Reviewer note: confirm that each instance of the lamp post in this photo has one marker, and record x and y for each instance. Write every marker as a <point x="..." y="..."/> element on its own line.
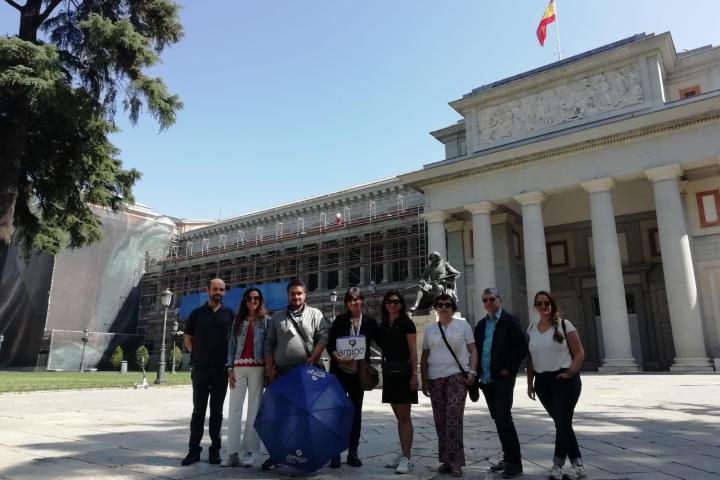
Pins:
<point x="372" y="288"/>
<point x="84" y="339"/>
<point x="333" y="299"/>
<point x="165" y="299"/>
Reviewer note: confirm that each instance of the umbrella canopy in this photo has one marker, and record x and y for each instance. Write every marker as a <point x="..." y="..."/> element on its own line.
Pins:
<point x="305" y="418"/>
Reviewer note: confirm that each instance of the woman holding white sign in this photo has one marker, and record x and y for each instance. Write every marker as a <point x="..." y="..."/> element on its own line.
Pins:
<point x="349" y="341"/>
<point x="448" y="365"/>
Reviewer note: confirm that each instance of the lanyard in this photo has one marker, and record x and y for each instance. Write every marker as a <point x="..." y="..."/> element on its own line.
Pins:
<point x="353" y="331"/>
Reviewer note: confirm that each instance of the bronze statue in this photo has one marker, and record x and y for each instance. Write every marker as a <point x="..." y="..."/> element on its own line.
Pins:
<point x="437" y="278"/>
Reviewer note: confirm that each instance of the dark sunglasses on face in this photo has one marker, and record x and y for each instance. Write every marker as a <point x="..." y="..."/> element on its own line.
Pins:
<point x="542" y="304"/>
<point x="443" y="305"/>
<point x="489" y="299"/>
<point x="253" y="299"/>
<point x="392" y="302"/>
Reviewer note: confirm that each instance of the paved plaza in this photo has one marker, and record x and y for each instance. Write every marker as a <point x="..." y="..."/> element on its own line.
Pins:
<point x="652" y="427"/>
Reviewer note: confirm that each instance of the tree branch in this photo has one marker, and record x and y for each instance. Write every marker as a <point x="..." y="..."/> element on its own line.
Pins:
<point x="48" y="10"/>
<point x="14" y="5"/>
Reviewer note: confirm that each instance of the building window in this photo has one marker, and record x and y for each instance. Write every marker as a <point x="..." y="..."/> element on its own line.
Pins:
<point x="654" y="239"/>
<point x="558" y="254"/>
<point x="708" y="203"/>
<point x="690" y="91"/>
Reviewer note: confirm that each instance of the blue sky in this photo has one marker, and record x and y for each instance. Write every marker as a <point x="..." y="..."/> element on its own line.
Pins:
<point x="287" y="99"/>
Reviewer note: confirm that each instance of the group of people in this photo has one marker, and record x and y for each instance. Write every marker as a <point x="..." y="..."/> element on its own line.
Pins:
<point x="251" y="348"/>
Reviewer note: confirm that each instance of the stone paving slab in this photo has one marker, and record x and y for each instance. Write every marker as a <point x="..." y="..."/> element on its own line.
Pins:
<point x="633" y="427"/>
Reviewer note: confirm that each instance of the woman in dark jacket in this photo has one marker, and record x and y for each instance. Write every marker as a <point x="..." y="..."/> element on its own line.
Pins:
<point x="351" y="323"/>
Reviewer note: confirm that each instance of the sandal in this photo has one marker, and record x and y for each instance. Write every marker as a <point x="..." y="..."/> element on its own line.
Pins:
<point x="456" y="472"/>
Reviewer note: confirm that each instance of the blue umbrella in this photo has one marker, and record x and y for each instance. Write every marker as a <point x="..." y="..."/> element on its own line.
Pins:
<point x="305" y="418"/>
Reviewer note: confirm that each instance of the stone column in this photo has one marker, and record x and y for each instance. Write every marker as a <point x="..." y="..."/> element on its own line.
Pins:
<point x="341" y="269"/>
<point x="537" y="276"/>
<point x="386" y="260"/>
<point x="456" y="257"/>
<point x="436" y="232"/>
<point x="682" y="295"/>
<point x="483" y="255"/>
<point x="364" y="265"/>
<point x="610" y="284"/>
<point x="411" y="241"/>
<point x="322" y="272"/>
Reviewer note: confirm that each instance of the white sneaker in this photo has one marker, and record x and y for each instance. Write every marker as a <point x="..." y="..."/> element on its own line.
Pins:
<point x="248" y="460"/>
<point x="556" y="473"/>
<point x="231" y="460"/>
<point x="405" y="465"/>
<point x="576" y="471"/>
<point x="394" y="462"/>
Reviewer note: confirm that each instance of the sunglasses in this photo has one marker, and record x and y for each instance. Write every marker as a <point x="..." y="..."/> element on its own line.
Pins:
<point x="542" y="304"/>
<point x="443" y="305"/>
<point x="489" y="299"/>
<point x="253" y="298"/>
<point x="392" y="302"/>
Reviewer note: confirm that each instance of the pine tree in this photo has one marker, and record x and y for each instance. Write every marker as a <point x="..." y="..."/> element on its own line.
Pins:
<point x="117" y="357"/>
<point x="142" y="357"/>
<point x="61" y="78"/>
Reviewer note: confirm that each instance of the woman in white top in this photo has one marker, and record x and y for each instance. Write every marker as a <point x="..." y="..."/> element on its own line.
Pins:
<point x="443" y="380"/>
<point x="554" y="360"/>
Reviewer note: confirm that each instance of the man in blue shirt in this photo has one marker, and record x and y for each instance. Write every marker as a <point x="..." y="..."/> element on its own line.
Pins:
<point x="502" y="346"/>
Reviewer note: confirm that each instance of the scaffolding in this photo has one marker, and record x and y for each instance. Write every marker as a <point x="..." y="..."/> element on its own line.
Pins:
<point x="384" y="242"/>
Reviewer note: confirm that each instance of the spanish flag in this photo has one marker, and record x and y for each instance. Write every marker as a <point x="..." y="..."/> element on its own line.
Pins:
<point x="547" y="18"/>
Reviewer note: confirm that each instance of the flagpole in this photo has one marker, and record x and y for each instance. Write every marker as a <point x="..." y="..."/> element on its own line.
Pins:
<point x="557" y="31"/>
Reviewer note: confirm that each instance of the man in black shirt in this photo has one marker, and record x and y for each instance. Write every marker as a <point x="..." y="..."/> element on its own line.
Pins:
<point x="206" y="337"/>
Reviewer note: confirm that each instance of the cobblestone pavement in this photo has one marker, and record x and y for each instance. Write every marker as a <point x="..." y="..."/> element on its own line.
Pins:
<point x="652" y="427"/>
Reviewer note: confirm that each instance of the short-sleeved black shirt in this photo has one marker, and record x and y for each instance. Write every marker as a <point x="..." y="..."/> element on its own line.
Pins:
<point x="209" y="331"/>
<point x="393" y="338"/>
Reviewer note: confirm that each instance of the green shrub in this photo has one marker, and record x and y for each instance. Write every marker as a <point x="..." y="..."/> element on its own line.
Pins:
<point x="178" y="357"/>
<point x="142" y="357"/>
<point x="117" y="357"/>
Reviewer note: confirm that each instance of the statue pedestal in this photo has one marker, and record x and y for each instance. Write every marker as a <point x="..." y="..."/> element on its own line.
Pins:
<point x="422" y="321"/>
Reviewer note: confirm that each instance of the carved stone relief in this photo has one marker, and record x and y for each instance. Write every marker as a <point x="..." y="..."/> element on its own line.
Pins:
<point x="579" y="99"/>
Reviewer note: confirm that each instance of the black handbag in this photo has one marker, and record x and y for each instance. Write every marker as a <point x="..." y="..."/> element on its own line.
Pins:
<point x="472" y="390"/>
<point x="368" y="375"/>
<point x="396" y="369"/>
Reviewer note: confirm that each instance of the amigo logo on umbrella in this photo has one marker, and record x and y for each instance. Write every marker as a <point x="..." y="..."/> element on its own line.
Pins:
<point x="297" y="458"/>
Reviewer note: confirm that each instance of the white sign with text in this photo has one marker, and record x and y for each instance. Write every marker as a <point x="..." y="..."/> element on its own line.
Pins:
<point x="351" y="347"/>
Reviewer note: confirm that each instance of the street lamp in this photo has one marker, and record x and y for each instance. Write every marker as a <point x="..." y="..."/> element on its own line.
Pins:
<point x="84" y="339"/>
<point x="165" y="299"/>
<point x="333" y="299"/>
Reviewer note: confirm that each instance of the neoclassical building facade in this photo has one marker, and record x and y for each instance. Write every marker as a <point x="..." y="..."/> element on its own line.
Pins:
<point x="597" y="178"/>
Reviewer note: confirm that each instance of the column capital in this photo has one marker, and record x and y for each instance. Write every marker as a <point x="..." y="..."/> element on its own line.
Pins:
<point x="454" y="226"/>
<point x="598" y="185"/>
<point x="435" y="216"/>
<point x="666" y="172"/>
<point x="480" y="208"/>
<point x="530" y="198"/>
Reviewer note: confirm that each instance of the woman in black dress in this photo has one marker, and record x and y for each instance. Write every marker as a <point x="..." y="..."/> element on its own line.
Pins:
<point x="351" y="323"/>
<point x="400" y="383"/>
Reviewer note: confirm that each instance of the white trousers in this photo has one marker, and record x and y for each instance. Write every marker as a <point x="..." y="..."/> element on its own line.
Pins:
<point x="249" y="381"/>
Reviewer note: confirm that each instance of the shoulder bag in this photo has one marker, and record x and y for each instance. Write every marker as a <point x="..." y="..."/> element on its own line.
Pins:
<point x="304" y="338"/>
<point x="474" y="389"/>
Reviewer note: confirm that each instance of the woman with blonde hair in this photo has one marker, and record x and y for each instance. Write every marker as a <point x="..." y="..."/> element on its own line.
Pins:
<point x="554" y="361"/>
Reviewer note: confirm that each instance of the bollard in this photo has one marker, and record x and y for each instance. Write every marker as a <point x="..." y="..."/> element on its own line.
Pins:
<point x="123" y="367"/>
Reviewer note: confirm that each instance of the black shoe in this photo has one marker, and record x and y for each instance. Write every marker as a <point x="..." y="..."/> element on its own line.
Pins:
<point x="335" y="462"/>
<point x="268" y="464"/>
<point x="214" y="457"/>
<point x="499" y="467"/>
<point x="353" y="460"/>
<point x="190" y="458"/>
<point x="512" y="471"/>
